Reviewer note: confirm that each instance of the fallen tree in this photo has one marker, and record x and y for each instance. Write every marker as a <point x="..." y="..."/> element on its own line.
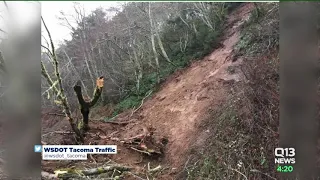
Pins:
<point x="72" y="173"/>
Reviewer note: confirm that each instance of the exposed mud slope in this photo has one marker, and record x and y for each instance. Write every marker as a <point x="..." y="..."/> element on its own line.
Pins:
<point x="183" y="101"/>
<point x="176" y="111"/>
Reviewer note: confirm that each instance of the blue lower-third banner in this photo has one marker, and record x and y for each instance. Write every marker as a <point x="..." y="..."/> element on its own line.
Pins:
<point x="72" y="152"/>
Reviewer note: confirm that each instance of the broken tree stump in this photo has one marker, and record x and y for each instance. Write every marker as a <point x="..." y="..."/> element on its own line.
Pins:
<point x="85" y="106"/>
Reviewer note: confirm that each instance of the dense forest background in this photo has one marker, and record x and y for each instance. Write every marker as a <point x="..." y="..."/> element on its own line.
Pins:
<point x="135" y="49"/>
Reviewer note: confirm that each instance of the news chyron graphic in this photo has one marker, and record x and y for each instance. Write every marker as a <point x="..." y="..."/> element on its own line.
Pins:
<point x="72" y="152"/>
<point x="284" y="158"/>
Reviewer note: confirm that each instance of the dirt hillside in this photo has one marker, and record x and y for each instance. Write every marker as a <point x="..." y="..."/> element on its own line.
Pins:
<point x="174" y="113"/>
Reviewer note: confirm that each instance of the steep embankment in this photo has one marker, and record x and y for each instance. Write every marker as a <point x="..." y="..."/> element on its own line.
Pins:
<point x="177" y="110"/>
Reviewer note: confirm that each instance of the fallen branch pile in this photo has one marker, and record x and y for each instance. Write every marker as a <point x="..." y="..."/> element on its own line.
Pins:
<point x="145" y="143"/>
<point x="68" y="174"/>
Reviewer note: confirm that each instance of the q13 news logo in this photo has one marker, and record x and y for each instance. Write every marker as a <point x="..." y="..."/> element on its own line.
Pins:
<point x="284" y="156"/>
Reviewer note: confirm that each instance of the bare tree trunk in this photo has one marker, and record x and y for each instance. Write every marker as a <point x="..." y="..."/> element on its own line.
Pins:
<point x="75" y="70"/>
<point x="60" y="92"/>
<point x="83" y="37"/>
<point x="138" y="67"/>
<point x="204" y="11"/>
<point x="2" y="64"/>
<point x="64" y="101"/>
<point x="153" y="45"/>
<point x="162" y="48"/>
<point x="80" y="15"/>
<point x="257" y="9"/>
<point x="183" y="45"/>
<point x="87" y="59"/>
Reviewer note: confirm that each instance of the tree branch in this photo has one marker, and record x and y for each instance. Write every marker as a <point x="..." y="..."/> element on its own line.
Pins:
<point x="89" y="172"/>
<point x="97" y="92"/>
<point x="60" y="91"/>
